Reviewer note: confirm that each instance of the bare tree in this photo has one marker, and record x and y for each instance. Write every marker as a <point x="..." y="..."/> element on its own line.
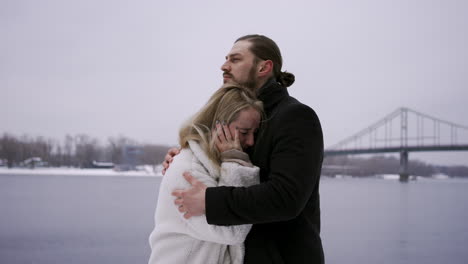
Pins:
<point x="116" y="147"/>
<point x="68" y="151"/>
<point x="86" y="150"/>
<point x="153" y="154"/>
<point x="78" y="151"/>
<point x="8" y="147"/>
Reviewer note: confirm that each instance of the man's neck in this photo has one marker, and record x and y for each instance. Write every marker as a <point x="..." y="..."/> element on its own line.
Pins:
<point x="261" y="85"/>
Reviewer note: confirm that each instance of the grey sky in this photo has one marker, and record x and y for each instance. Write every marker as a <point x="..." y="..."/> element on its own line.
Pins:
<point x="140" y="68"/>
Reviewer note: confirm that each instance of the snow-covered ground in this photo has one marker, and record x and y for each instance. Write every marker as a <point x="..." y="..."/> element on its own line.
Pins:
<point x="149" y="171"/>
<point x="392" y="177"/>
<point x="413" y="177"/>
<point x="142" y="171"/>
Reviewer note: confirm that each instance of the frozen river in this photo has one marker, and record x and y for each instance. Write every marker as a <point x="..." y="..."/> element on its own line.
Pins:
<point x="107" y="219"/>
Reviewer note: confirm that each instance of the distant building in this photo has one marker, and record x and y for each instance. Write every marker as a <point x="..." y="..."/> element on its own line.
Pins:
<point x="33" y="162"/>
<point x="102" y="165"/>
<point x="130" y="157"/>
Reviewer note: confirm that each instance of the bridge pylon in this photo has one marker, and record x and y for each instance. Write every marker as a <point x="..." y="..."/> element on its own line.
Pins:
<point x="404" y="174"/>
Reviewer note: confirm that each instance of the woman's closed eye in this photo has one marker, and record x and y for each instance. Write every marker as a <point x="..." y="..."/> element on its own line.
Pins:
<point x="244" y="132"/>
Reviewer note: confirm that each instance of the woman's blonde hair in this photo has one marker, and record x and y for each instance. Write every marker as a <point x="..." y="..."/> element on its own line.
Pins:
<point x="224" y="105"/>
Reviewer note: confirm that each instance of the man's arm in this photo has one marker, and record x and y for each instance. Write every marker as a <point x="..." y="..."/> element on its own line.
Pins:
<point x="295" y="165"/>
<point x="191" y="201"/>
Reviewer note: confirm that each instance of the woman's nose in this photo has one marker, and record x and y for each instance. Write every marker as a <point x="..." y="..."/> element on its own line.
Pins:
<point x="249" y="141"/>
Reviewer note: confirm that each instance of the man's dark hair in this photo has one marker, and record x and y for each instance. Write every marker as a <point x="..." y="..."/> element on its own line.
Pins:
<point x="266" y="49"/>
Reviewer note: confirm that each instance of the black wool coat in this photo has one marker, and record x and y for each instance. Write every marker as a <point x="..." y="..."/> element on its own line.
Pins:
<point x="285" y="206"/>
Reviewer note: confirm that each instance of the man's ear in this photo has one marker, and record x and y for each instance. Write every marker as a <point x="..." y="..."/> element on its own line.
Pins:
<point x="266" y="67"/>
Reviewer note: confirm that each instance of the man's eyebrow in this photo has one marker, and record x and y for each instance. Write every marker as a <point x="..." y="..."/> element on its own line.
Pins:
<point x="233" y="54"/>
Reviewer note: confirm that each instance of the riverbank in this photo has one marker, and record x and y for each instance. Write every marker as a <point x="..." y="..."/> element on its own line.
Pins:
<point x="144" y="171"/>
<point x="148" y="171"/>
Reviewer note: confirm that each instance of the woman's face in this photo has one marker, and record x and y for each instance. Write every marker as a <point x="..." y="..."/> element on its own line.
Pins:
<point x="247" y="124"/>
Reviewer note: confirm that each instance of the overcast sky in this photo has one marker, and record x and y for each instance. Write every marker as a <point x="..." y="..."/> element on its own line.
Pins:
<point x="140" y="68"/>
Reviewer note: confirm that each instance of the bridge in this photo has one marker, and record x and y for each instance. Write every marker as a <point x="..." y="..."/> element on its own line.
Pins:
<point x="404" y="131"/>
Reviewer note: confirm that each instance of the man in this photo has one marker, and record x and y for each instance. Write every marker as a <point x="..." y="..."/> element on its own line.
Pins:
<point x="285" y="206"/>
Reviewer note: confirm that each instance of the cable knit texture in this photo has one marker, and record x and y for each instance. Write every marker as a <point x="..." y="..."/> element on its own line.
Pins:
<point x="179" y="240"/>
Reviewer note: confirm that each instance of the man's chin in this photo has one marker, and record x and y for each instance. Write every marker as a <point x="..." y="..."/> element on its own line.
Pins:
<point x="231" y="81"/>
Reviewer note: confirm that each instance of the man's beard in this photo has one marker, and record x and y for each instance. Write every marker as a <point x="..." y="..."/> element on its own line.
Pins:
<point x="251" y="81"/>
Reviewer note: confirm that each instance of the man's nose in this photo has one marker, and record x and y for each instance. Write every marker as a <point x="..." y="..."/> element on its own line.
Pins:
<point x="225" y="67"/>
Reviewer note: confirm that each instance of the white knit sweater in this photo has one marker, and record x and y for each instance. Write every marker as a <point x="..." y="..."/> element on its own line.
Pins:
<point x="179" y="240"/>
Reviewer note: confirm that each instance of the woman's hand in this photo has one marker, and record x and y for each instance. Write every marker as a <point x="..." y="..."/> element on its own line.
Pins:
<point x="223" y="138"/>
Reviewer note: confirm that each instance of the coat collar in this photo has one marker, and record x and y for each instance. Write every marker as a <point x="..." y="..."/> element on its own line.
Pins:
<point x="200" y="154"/>
<point x="271" y="93"/>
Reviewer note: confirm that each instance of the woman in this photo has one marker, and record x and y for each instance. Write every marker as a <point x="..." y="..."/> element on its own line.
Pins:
<point x="214" y="157"/>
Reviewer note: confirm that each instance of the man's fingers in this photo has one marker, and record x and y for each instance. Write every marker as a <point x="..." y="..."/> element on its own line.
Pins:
<point x="173" y="151"/>
<point x="187" y="215"/>
<point x="178" y="193"/>
<point x="188" y="177"/>
<point x="167" y="160"/>
<point x="170" y="157"/>
<point x="181" y="209"/>
<point x="179" y="201"/>
<point x="165" y="165"/>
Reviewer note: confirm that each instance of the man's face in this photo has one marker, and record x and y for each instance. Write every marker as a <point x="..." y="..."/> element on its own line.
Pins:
<point x="239" y="66"/>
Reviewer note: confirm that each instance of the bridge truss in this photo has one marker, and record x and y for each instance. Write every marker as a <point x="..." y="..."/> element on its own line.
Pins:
<point x="403" y="131"/>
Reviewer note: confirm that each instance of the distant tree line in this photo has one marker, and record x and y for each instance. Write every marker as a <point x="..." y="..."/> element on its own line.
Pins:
<point x="356" y="166"/>
<point x="82" y="150"/>
<point x="75" y="151"/>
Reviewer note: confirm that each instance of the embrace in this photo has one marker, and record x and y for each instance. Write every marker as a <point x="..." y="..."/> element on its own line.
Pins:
<point x="244" y="187"/>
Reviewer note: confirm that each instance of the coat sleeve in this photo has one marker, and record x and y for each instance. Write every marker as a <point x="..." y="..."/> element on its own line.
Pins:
<point x="236" y="175"/>
<point x="197" y="226"/>
<point x="294" y="170"/>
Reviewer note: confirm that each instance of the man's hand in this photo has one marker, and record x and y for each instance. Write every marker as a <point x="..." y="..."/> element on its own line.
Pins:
<point x="191" y="201"/>
<point x="168" y="158"/>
